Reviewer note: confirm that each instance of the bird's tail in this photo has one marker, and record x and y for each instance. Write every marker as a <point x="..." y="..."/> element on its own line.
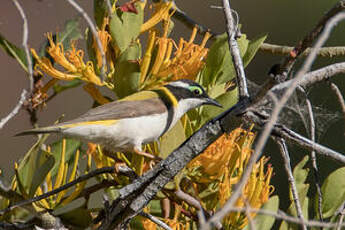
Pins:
<point x="49" y="129"/>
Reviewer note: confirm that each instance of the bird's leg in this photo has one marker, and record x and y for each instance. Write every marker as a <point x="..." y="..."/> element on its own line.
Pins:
<point x="145" y="154"/>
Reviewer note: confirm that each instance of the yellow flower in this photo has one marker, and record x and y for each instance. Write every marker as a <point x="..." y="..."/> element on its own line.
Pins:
<point x="222" y="164"/>
<point x="73" y="64"/>
<point x="186" y="62"/>
<point x="161" y="13"/>
<point x="105" y="39"/>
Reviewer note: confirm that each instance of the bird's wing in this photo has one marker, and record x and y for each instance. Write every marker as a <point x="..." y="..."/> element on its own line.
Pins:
<point x="139" y="104"/>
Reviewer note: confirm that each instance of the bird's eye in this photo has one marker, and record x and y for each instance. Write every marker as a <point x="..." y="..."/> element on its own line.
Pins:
<point x="196" y="90"/>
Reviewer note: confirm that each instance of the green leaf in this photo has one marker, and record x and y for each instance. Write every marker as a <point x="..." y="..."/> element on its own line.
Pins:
<point x="34" y="167"/>
<point x="219" y="68"/>
<point x="333" y="192"/>
<point x="253" y="47"/>
<point x="125" y="26"/>
<point x="172" y="139"/>
<point x="265" y="222"/>
<point x="56" y="149"/>
<point x="14" y="51"/>
<point x="127" y="71"/>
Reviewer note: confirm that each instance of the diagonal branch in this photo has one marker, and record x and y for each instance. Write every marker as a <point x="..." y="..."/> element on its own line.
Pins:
<point x="287" y="164"/>
<point x="82" y="178"/>
<point x="270" y="125"/>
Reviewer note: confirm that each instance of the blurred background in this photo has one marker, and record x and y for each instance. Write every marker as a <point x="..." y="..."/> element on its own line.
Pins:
<point x="285" y="22"/>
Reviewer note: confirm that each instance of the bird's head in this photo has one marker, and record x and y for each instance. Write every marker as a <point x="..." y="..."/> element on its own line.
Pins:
<point x="190" y="95"/>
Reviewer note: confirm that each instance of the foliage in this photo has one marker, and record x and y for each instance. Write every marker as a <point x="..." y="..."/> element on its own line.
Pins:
<point x="131" y="66"/>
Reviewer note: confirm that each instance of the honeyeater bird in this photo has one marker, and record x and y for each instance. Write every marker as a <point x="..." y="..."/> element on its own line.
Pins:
<point x="125" y="125"/>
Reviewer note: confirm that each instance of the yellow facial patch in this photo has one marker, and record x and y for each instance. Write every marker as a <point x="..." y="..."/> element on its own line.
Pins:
<point x="106" y="122"/>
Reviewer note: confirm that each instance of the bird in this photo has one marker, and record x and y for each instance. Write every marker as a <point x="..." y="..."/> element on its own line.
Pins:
<point x="126" y="124"/>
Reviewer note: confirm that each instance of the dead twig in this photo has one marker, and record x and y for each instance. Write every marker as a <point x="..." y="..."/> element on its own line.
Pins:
<point x="25" y="93"/>
<point x="340" y="97"/>
<point x="155" y="220"/>
<point x="326" y="52"/>
<point x="232" y="30"/>
<point x="82" y="178"/>
<point x="274" y="117"/>
<point x="285" y="155"/>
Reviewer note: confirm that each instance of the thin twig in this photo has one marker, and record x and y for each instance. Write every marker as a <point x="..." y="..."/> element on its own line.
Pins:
<point x="274" y="117"/>
<point x="326" y="52"/>
<point x="341" y="218"/>
<point x="340" y="97"/>
<point x="82" y="178"/>
<point x="309" y="39"/>
<point x="24" y="93"/>
<point x="313" y="158"/>
<point x="303" y="142"/>
<point x="15" y="110"/>
<point x="285" y="155"/>
<point x="155" y="220"/>
<point x="231" y="30"/>
<point x="279" y="73"/>
<point x="94" y="32"/>
<point x="25" y="45"/>
<point x="315" y="76"/>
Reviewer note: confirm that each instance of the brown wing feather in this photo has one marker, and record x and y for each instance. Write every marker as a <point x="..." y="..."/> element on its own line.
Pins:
<point x="120" y="110"/>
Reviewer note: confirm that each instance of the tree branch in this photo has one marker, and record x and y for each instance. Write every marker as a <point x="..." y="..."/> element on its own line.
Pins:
<point x="326" y="52"/>
<point x="82" y="178"/>
<point x="285" y="155"/>
<point x="24" y="93"/>
<point x="231" y="30"/>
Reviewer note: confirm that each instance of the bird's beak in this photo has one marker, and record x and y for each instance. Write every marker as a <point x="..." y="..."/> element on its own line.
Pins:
<point x="211" y="101"/>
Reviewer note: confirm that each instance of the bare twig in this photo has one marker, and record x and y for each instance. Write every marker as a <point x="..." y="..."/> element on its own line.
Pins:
<point x="279" y="73"/>
<point x="309" y="39"/>
<point x="15" y="110"/>
<point x="25" y="45"/>
<point x="327" y="52"/>
<point x="188" y="21"/>
<point x="274" y="117"/>
<point x="94" y="32"/>
<point x="303" y="142"/>
<point x="24" y="93"/>
<point x="315" y="76"/>
<point x="313" y="158"/>
<point x="231" y="30"/>
<point x="285" y="155"/>
<point x="82" y="178"/>
<point x="341" y="218"/>
<point x="155" y="220"/>
<point x="340" y="97"/>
